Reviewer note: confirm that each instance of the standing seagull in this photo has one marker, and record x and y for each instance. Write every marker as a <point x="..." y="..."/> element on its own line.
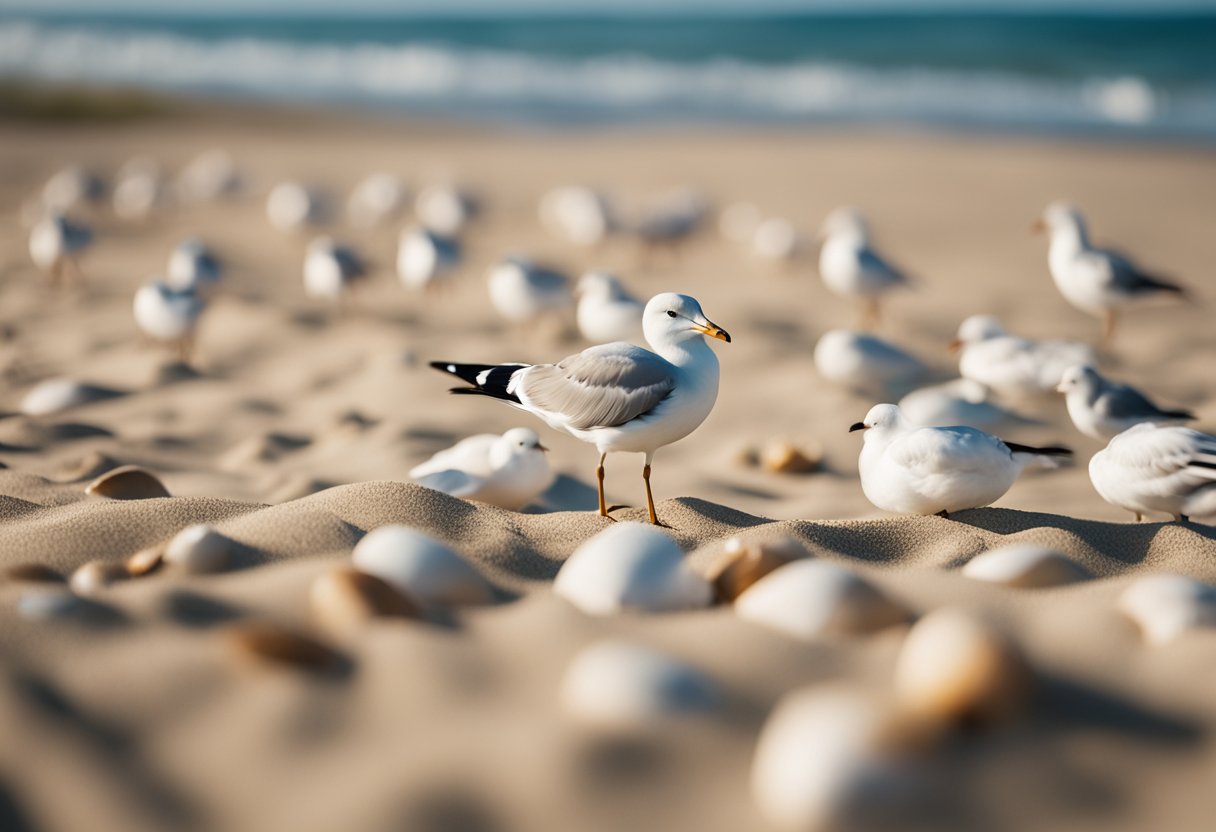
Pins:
<point x="55" y="244"/>
<point x="523" y="291"/>
<point x="1153" y="468"/>
<point x="1102" y="408"/>
<point x="331" y="269"/>
<point x="851" y="267"/>
<point x="424" y="258"/>
<point x="619" y="397"/>
<point x="168" y="315"/>
<point x="192" y="265"/>
<point x="1095" y="280"/>
<point x="915" y="470"/>
<point x="606" y="310"/>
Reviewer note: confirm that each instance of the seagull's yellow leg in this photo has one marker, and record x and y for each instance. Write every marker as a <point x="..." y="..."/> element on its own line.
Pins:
<point x="869" y="313"/>
<point x="649" y="497"/>
<point x="599" y="478"/>
<point x="1108" y="327"/>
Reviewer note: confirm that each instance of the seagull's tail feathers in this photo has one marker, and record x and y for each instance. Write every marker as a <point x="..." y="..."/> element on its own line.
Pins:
<point x="1048" y="458"/>
<point x="1180" y="415"/>
<point x="491" y="380"/>
<point x="1150" y="284"/>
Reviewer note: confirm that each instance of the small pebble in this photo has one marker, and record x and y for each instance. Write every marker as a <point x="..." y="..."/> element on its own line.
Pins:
<point x="199" y="548"/>
<point x="745" y="562"/>
<point x="96" y="575"/>
<point x="784" y="457"/>
<point x="129" y="482"/>
<point x="1025" y="566"/>
<point x="344" y="600"/>
<point x="1167" y="606"/>
<point x="270" y="644"/>
<point x="421" y="567"/>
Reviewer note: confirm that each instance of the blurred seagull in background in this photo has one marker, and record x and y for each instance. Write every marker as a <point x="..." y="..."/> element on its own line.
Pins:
<point x="376" y="200"/>
<point x="1011" y="365"/>
<point x="508" y="471"/>
<point x="1152" y="467"/>
<point x="866" y="364"/>
<point x="425" y="258"/>
<point x="852" y="268"/>
<point x="1101" y="408"/>
<point x="139" y="189"/>
<point x="959" y="402"/>
<point x="56" y="244"/>
<point x="523" y="291"/>
<point x="331" y="269"/>
<point x="192" y="265"/>
<point x="606" y="310"/>
<point x="73" y="188"/>
<point x="167" y="315"/>
<point x="293" y="206"/>
<point x="445" y="209"/>
<point x="209" y="176"/>
<point x="577" y="214"/>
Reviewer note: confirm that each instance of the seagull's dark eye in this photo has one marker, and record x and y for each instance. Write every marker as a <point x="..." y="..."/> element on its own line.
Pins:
<point x="670" y="314"/>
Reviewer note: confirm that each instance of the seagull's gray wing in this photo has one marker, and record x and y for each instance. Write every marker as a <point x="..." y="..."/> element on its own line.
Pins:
<point x="1119" y="402"/>
<point x="1123" y="275"/>
<point x="349" y="262"/>
<point x="451" y="481"/>
<point x="604" y="386"/>
<point x="872" y="262"/>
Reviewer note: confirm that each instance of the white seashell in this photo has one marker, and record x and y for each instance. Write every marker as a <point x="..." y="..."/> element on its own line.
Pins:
<point x="630" y="566"/>
<point x="1167" y="606"/>
<point x="199" y="548"/>
<point x="1025" y="565"/>
<point x="618" y="684"/>
<point x="421" y="567"/>
<point x="833" y="758"/>
<point x="954" y="668"/>
<point x="810" y="599"/>
<point x="54" y="395"/>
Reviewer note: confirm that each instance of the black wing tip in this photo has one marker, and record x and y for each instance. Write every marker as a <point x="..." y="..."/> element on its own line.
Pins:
<point x="1184" y="415"/>
<point x="1049" y="450"/>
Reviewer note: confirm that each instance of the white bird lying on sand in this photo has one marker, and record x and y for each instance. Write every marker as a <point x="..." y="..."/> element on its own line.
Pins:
<point x="56" y="242"/>
<point x="958" y="402"/>
<point x="192" y="265"/>
<point x="292" y="206"/>
<point x="578" y="214"/>
<point x="522" y="291"/>
<point x="425" y="258"/>
<point x="918" y="470"/>
<point x="606" y="310"/>
<point x="168" y="315"/>
<point x="446" y="209"/>
<point x="1151" y="467"/>
<point x="1102" y="408"/>
<point x="1095" y="280"/>
<point x="851" y="267"/>
<point x="866" y="364"/>
<point x="1011" y="365"/>
<point x="331" y="269"/>
<point x="507" y="471"/>
<point x="377" y="199"/>
<point x="618" y="397"/>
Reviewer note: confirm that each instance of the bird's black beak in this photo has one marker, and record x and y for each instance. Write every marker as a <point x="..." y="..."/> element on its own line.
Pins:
<point x="857" y="426"/>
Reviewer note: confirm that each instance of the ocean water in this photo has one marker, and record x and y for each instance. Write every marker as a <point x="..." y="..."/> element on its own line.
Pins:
<point x="1136" y="75"/>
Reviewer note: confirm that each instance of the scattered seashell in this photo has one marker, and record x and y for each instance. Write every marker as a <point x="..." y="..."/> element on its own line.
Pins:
<point x="1167" y="606"/>
<point x="1026" y="566"/>
<point x="96" y="575"/>
<point x="784" y="457"/>
<point x="272" y="644"/>
<point x="421" y="566"/>
<point x="58" y="394"/>
<point x="34" y="573"/>
<point x="954" y="668"/>
<point x="836" y="758"/>
<point x="630" y="566"/>
<point x="129" y="482"/>
<point x="199" y="548"/>
<point x="617" y="684"/>
<point x="745" y="562"/>
<point x="145" y="562"/>
<point x="344" y="600"/>
<point x="810" y="599"/>
<point x="45" y="604"/>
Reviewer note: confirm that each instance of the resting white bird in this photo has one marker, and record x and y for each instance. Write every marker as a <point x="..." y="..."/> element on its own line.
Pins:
<point x="331" y="269"/>
<point x="578" y="214"/>
<point x="523" y="291"/>
<point x="192" y="265"/>
<point x="445" y="209"/>
<point x="375" y="200"/>
<point x="507" y="471"/>
<point x="425" y="258"/>
<point x="959" y="402"/>
<point x="606" y="310"/>
<point x="1102" y="408"/>
<point x="1095" y="280"/>
<point x="866" y="364"/>
<point x="852" y="268"/>
<point x="618" y="397"/>
<point x="167" y="315"/>
<point x="1011" y="365"/>
<point x="293" y="206"/>
<point x="910" y="469"/>
<point x="1152" y="467"/>
<point x="56" y="244"/>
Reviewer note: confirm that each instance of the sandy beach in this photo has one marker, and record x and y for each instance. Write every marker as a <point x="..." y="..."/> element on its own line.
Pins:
<point x="294" y="428"/>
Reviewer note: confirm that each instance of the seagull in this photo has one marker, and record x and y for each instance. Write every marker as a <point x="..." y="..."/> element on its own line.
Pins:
<point x="866" y="364"/>
<point x="424" y="258"/>
<point x="331" y="269"/>
<point x="1152" y="467"/>
<point x="606" y="310"/>
<point x="776" y="239"/>
<point x="192" y="265"/>
<point x="507" y="471"/>
<point x="959" y="402"/>
<point x="910" y="469"/>
<point x="618" y="397"/>
<point x="375" y="200"/>
<point x="56" y="242"/>
<point x="673" y="217"/>
<point x="522" y="291"/>
<point x="211" y="175"/>
<point x="138" y="189"/>
<point x="578" y="214"/>
<point x="292" y="206"/>
<point x="1095" y="280"/>
<point x="851" y="267"/>
<point x="73" y="187"/>
<point x="445" y="208"/>
<point x="1011" y="365"/>
<point x="168" y="315"/>
<point x="1102" y="408"/>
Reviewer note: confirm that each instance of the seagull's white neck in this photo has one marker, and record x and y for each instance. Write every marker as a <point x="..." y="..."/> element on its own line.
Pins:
<point x="1069" y="236"/>
<point x="690" y="352"/>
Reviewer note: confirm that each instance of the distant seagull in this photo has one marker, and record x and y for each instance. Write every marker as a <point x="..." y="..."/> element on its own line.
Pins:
<point x="425" y="258"/>
<point x="72" y="188"/>
<point x="167" y="315"/>
<point x="910" y="469"/>
<point x="209" y="176"/>
<point x="580" y="215"/>
<point x="673" y="217"/>
<point x="1149" y="467"/>
<point x="508" y="471"/>
<point x="776" y="239"/>
<point x="192" y="265"/>
<point x="331" y="269"/>
<point x="959" y="402"/>
<point x="1095" y="280"/>
<point x="606" y="310"/>
<point x="852" y="268"/>
<point x="618" y="397"/>
<point x="376" y="200"/>
<point x="56" y="244"/>
<point x="445" y="209"/>
<point x="139" y="190"/>
<point x="523" y="291"/>
<point x="866" y="364"/>
<point x="1011" y="365"/>
<point x="292" y="207"/>
<point x="1102" y="408"/>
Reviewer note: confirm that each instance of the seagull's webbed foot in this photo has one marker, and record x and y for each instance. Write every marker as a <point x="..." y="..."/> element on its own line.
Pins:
<point x="943" y="513"/>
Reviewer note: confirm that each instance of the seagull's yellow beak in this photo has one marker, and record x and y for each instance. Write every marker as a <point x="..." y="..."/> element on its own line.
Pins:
<point x="712" y="330"/>
<point x="955" y="345"/>
<point x="1038" y="226"/>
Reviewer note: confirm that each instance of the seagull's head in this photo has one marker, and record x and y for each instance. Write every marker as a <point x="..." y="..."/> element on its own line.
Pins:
<point x="845" y="222"/>
<point x="321" y="245"/>
<point x="880" y="417"/>
<point x="1059" y="216"/>
<point x="598" y="285"/>
<point x="1079" y="377"/>
<point x="515" y="443"/>
<point x="975" y="329"/>
<point x="670" y="318"/>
